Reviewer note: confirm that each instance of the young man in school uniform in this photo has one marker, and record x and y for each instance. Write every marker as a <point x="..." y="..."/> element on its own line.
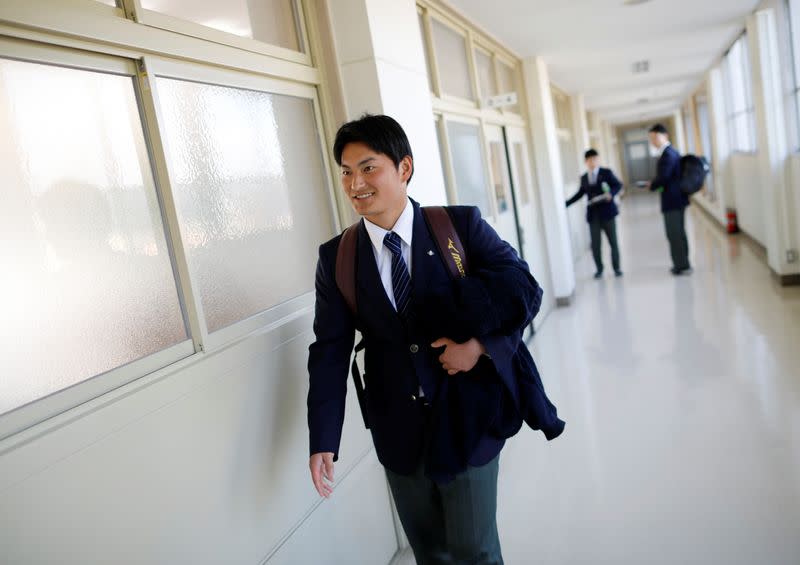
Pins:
<point x="600" y="186"/>
<point x="447" y="377"/>
<point x="673" y="200"/>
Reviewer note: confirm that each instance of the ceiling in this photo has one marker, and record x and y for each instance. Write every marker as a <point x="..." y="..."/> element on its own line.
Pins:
<point x="590" y="46"/>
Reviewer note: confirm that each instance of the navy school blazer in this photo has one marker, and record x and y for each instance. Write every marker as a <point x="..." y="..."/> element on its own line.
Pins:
<point x="469" y="412"/>
<point x="668" y="176"/>
<point x="602" y="211"/>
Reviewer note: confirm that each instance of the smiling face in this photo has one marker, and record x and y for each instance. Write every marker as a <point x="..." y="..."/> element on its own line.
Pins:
<point x="377" y="189"/>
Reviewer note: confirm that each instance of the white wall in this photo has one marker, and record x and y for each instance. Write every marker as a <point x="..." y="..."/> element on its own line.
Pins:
<point x="748" y="186"/>
<point x="793" y="179"/>
<point x="205" y="462"/>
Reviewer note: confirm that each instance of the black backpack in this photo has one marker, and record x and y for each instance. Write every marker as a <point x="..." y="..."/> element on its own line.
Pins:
<point x="693" y="173"/>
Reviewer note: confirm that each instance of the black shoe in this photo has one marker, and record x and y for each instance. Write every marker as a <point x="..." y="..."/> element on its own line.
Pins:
<point x="680" y="272"/>
<point x="617" y="273"/>
<point x="598" y="275"/>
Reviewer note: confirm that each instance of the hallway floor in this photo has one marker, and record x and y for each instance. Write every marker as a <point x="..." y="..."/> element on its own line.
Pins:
<point x="682" y="402"/>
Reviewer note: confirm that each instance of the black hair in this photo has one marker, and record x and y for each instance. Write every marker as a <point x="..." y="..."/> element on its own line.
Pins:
<point x="590" y="153"/>
<point x="380" y="133"/>
<point x="659" y="128"/>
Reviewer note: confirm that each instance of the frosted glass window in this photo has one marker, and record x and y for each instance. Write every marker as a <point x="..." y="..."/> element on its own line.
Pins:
<point x="247" y="172"/>
<point x="508" y="83"/>
<point x="739" y="97"/>
<point x="794" y="32"/>
<point x="502" y="185"/>
<point x="637" y="151"/>
<point x="87" y="284"/>
<point x="524" y="187"/>
<point x="425" y="46"/>
<point x="471" y="177"/>
<point x="270" y="21"/>
<point x="689" y="131"/>
<point x="483" y="62"/>
<point x="451" y="54"/>
<point x="569" y="166"/>
<point x="562" y="111"/>
<point x="705" y="139"/>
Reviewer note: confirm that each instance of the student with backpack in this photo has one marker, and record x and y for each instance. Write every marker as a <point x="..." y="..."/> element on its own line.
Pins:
<point x="441" y="303"/>
<point x="674" y="199"/>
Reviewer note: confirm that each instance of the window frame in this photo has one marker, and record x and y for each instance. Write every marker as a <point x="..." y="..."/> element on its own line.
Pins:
<point x="499" y="60"/>
<point x="478" y="47"/>
<point x="441" y="19"/>
<point x="192" y="72"/>
<point x="167" y="22"/>
<point x="84" y="34"/>
<point x="43" y="408"/>
<point x="488" y="189"/>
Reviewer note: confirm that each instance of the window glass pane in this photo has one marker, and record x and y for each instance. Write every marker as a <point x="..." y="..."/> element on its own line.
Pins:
<point x="451" y="53"/>
<point x="689" y="131"/>
<point x="742" y="128"/>
<point x="524" y="187"/>
<point x="797" y="109"/>
<point x="508" y="83"/>
<point x="425" y="50"/>
<point x="109" y="2"/>
<point x="87" y="284"/>
<point x="270" y="21"/>
<point x="468" y="165"/>
<point x="483" y="62"/>
<point x="569" y="168"/>
<point x="502" y="186"/>
<point x="705" y="130"/>
<point x="794" y="21"/>
<point x="751" y="130"/>
<point x="637" y="151"/>
<point x="741" y="125"/>
<point x="249" y="182"/>
<point x="561" y="107"/>
<point x="794" y="88"/>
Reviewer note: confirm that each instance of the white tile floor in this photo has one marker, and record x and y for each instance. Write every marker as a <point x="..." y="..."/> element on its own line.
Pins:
<point x="682" y="401"/>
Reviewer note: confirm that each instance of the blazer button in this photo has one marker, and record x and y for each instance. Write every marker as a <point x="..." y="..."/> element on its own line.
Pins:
<point x="414" y="348"/>
<point x="413" y="397"/>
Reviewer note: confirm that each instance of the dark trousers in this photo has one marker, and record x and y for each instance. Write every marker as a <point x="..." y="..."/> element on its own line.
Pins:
<point x="452" y="523"/>
<point x="596" y="229"/>
<point x="676" y="234"/>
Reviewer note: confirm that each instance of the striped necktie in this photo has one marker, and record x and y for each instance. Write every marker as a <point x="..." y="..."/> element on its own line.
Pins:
<point x="401" y="280"/>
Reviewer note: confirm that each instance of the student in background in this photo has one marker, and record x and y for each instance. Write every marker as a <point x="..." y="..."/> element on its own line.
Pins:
<point x="600" y="186"/>
<point x="673" y="199"/>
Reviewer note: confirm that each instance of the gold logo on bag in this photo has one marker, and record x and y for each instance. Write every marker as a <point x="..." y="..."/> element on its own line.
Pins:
<point x="456" y="256"/>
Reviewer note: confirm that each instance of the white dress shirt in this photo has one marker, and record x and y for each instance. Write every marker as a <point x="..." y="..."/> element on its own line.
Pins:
<point x="592" y="174"/>
<point x="404" y="227"/>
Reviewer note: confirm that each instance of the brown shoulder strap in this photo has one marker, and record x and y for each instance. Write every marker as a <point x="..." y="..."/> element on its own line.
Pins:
<point x="346" y="266"/>
<point x="444" y="232"/>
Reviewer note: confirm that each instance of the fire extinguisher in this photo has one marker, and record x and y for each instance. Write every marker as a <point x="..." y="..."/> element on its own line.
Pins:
<point x="733" y="225"/>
